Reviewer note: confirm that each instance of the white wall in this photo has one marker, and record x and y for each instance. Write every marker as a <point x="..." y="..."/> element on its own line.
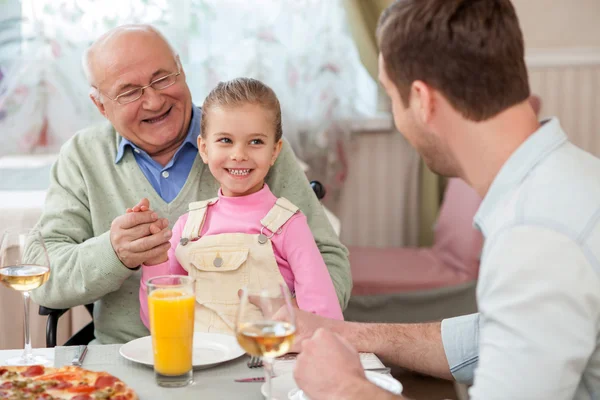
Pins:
<point x="559" y="23"/>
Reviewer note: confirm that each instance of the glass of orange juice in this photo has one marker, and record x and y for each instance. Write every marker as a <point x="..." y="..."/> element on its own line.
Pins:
<point x="171" y="310"/>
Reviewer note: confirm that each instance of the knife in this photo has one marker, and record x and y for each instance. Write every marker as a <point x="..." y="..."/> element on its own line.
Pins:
<point x="80" y="353"/>
<point x="262" y="378"/>
<point x="256" y="379"/>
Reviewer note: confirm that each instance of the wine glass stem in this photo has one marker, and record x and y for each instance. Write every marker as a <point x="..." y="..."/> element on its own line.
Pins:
<point x="268" y="366"/>
<point x="27" y="353"/>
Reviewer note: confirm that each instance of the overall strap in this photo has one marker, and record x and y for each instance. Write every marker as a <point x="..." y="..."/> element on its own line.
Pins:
<point x="281" y="212"/>
<point x="196" y="217"/>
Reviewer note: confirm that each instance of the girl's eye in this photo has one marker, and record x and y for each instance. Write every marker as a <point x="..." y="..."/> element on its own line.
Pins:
<point x="224" y="140"/>
<point x="256" y="141"/>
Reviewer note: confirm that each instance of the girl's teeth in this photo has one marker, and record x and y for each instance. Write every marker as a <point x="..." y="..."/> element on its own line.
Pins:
<point x="239" y="171"/>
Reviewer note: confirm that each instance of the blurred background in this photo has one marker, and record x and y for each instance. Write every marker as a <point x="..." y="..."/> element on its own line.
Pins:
<point x="320" y="57"/>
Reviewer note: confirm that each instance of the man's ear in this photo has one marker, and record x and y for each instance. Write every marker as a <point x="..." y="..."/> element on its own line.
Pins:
<point x="95" y="96"/>
<point x="180" y="66"/>
<point x="202" y="149"/>
<point x="276" y="151"/>
<point x="422" y="100"/>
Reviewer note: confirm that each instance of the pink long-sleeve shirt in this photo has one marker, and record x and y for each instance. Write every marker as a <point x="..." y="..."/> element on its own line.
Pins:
<point x="296" y="252"/>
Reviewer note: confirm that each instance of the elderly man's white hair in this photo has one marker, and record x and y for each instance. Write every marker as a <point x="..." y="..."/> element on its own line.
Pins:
<point x="88" y="54"/>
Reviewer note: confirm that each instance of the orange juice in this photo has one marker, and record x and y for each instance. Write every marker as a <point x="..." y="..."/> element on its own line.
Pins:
<point x="171" y="314"/>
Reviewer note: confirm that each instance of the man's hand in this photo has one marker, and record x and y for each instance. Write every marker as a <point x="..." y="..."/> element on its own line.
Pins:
<point x="306" y="323"/>
<point x="328" y="367"/>
<point x="141" y="206"/>
<point x="137" y="237"/>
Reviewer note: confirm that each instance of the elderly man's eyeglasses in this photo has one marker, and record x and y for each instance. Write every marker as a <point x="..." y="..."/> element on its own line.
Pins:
<point x="158" y="84"/>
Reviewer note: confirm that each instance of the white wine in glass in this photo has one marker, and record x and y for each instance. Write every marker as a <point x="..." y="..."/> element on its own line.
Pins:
<point x="24" y="277"/>
<point x="266" y="325"/>
<point x="267" y="338"/>
<point x="24" y="266"/>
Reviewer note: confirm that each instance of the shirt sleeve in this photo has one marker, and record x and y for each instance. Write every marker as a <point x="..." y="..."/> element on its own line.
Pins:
<point x="312" y="283"/>
<point x="286" y="179"/>
<point x="175" y="267"/>
<point x="539" y="303"/>
<point x="460" y="337"/>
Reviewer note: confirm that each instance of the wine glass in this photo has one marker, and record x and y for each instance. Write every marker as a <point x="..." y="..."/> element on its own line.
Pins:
<point x="24" y="266"/>
<point x="265" y="325"/>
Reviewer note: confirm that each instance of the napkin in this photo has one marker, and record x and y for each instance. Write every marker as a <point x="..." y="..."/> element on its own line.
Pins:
<point x="285" y="364"/>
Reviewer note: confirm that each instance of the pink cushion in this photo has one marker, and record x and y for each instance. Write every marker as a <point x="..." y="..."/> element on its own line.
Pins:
<point x="453" y="259"/>
<point x="457" y="242"/>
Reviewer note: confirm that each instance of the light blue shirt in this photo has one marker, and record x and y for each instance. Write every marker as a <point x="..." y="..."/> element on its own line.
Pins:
<point x="538" y="332"/>
<point x="168" y="180"/>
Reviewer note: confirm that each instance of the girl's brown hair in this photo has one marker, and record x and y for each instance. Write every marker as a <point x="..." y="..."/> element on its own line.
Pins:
<point x="240" y="91"/>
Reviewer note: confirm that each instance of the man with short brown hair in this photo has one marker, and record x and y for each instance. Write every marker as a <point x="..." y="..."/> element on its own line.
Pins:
<point x="455" y="73"/>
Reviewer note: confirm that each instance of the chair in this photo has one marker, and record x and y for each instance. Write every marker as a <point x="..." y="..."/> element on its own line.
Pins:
<point x="83" y="336"/>
<point x="86" y="334"/>
<point x="422" y="284"/>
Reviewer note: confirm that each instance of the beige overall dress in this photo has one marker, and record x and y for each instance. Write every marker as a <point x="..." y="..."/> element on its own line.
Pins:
<point x="222" y="264"/>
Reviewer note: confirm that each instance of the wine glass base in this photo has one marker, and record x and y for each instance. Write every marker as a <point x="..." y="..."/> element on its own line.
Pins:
<point x="25" y="361"/>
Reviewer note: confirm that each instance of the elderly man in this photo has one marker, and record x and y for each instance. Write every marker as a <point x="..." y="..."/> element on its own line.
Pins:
<point x="147" y="150"/>
<point x="457" y="80"/>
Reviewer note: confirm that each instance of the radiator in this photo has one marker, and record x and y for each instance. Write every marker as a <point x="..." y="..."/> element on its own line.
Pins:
<point x="568" y="83"/>
<point x="379" y="202"/>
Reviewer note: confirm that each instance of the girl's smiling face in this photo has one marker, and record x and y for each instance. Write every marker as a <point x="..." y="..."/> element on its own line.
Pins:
<point x="239" y="146"/>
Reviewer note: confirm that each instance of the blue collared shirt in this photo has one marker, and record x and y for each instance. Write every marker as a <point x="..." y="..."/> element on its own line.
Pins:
<point x="538" y="292"/>
<point x="168" y="180"/>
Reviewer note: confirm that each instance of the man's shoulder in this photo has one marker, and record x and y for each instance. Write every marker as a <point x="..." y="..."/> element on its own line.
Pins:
<point x="101" y="134"/>
<point x="563" y="192"/>
<point x="95" y="139"/>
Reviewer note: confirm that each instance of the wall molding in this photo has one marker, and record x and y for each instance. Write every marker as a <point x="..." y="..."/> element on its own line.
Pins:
<point x="562" y="57"/>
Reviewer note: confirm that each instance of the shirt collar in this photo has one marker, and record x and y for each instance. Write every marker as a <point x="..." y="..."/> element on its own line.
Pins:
<point x="191" y="138"/>
<point x="536" y="148"/>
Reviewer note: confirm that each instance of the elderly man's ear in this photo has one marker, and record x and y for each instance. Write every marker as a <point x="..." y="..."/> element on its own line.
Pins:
<point x="95" y="96"/>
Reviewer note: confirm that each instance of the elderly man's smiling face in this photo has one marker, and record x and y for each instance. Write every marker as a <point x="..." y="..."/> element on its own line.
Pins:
<point x="130" y="57"/>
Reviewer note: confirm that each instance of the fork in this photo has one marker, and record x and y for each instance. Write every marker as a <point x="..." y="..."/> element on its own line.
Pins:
<point x="79" y="355"/>
<point x="254" y="362"/>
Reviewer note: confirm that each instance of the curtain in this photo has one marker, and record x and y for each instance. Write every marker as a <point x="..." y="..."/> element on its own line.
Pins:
<point x="301" y="48"/>
<point x="363" y="16"/>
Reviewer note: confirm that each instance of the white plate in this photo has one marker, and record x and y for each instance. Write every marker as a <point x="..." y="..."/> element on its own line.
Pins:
<point x="209" y="349"/>
<point x="284" y="386"/>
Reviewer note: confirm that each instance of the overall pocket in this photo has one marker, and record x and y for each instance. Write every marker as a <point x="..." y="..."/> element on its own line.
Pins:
<point x="219" y="273"/>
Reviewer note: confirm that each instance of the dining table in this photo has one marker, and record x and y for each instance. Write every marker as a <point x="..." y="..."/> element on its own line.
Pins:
<point x="216" y="382"/>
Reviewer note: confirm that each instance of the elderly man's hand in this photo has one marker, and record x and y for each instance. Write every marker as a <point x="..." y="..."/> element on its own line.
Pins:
<point x="328" y="367"/>
<point x="156" y="227"/>
<point x="135" y="240"/>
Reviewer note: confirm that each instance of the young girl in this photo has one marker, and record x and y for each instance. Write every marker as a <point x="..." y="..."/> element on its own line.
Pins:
<point x="246" y="236"/>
